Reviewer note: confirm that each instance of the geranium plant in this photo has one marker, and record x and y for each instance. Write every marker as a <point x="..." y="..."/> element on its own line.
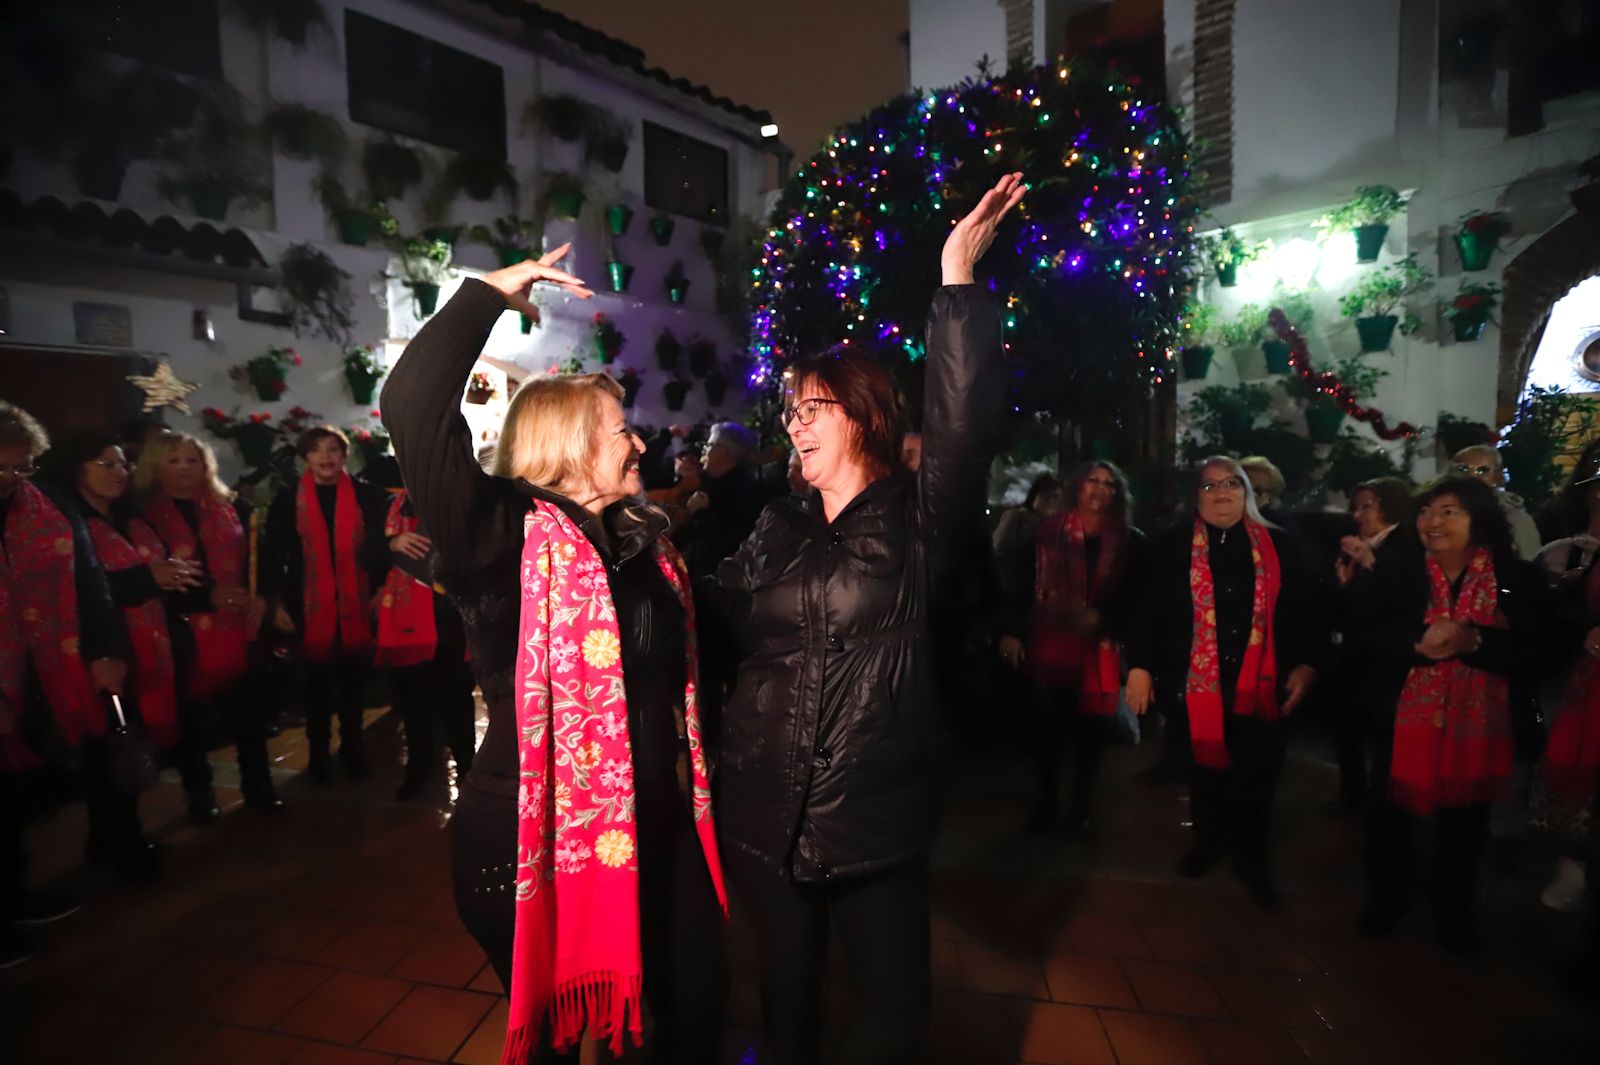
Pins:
<point x="1473" y="303"/>
<point x="1485" y="225"/>
<point x="267" y="373"/>
<point x="362" y="371"/>
<point x="1383" y="292"/>
<point x="608" y="339"/>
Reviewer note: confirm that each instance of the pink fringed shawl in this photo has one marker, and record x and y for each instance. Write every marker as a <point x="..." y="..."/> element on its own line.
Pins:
<point x="575" y="951"/>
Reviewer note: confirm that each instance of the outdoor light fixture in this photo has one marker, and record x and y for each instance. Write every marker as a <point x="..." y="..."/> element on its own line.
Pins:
<point x="769" y="130"/>
<point x="203" y="328"/>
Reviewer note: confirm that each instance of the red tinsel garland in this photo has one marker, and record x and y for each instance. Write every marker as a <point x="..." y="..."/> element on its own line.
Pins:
<point x="1330" y="385"/>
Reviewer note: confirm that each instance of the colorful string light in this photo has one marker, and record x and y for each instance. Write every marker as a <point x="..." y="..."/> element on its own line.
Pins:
<point x="1329" y="385"/>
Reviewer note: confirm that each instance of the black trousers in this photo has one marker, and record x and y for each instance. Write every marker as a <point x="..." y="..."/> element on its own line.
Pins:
<point x="1059" y="724"/>
<point x="434" y="699"/>
<point x="883" y="923"/>
<point x="680" y="922"/>
<point x="13" y="857"/>
<point x="335" y="687"/>
<point x="237" y="716"/>
<point x="1176" y="754"/>
<point x="1461" y="839"/>
<point x="1232" y="807"/>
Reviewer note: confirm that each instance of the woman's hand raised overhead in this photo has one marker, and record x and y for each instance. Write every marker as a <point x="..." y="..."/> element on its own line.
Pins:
<point x="514" y="282"/>
<point x="972" y="235"/>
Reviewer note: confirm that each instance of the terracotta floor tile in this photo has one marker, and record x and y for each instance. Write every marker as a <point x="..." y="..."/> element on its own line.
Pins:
<point x="443" y="957"/>
<point x="1163" y="987"/>
<point x="439" y="909"/>
<point x="484" y="1045"/>
<point x="1349" y="1004"/>
<point x="183" y="983"/>
<point x="1238" y="1044"/>
<point x="1267" y="949"/>
<point x="228" y="923"/>
<point x="1348" y="956"/>
<point x="1053" y="1034"/>
<point x="1088" y="980"/>
<point x="328" y="1054"/>
<point x="1144" y="1039"/>
<point x="986" y="1026"/>
<point x="487" y="981"/>
<point x="1093" y="933"/>
<point x="264" y="992"/>
<point x="93" y="966"/>
<point x="301" y="933"/>
<point x="431" y="1022"/>
<point x="1270" y="999"/>
<point x="1121" y="898"/>
<point x="998" y="972"/>
<point x="244" y="1046"/>
<point x="1187" y="942"/>
<point x="372" y="946"/>
<point x="344" y="1009"/>
<point x="1337" y="1048"/>
<point x="153" y="1038"/>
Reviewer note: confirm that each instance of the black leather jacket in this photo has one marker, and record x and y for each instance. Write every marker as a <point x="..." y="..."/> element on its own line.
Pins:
<point x="830" y="750"/>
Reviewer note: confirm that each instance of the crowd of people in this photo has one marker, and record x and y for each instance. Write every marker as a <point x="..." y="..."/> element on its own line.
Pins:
<point x="729" y="690"/>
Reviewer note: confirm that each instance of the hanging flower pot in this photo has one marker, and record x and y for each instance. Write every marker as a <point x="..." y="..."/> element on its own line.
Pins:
<point x="527" y="323"/>
<point x="362" y="385"/>
<point x="1248" y="359"/>
<point x="630" y="387"/>
<point x="619" y="216"/>
<point x="621" y="274"/>
<point x="510" y="256"/>
<point x="445" y="234"/>
<point x="702" y="358"/>
<point x="1466" y="330"/>
<point x="716" y="386"/>
<point x="100" y="176"/>
<point x="354" y="225"/>
<point x="1197" y="362"/>
<point x="668" y="349"/>
<point x="1377" y="332"/>
<point x="210" y="199"/>
<point x="677" y="289"/>
<point x="255" y="440"/>
<point x="1228" y="276"/>
<point x="711" y="238"/>
<point x="1277" y="353"/>
<point x="480" y="389"/>
<point x="661" y="227"/>
<point x="269" y="382"/>
<point x="425" y="295"/>
<point x="567" y="204"/>
<point x="608" y="339"/>
<point x="1476" y="250"/>
<point x="1322" y="422"/>
<point x="675" y="392"/>
<point x="1369" y="241"/>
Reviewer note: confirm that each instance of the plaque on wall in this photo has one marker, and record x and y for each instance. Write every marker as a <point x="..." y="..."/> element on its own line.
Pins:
<point x="103" y="325"/>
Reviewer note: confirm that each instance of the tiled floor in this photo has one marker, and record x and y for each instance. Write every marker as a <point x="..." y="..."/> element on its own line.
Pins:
<point x="328" y="937"/>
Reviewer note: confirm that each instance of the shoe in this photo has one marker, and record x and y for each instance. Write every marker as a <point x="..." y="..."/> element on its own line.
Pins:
<point x="265" y="804"/>
<point x="44" y="907"/>
<point x="1197" y="862"/>
<point x="16" y="947"/>
<point x="411" y="786"/>
<point x="1258" y="881"/>
<point x="203" y="808"/>
<point x="1565" y="893"/>
<point x="354" y="763"/>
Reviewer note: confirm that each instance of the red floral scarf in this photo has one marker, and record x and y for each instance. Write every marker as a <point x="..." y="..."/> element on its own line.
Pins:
<point x="1257" y="691"/>
<point x="1452" y="726"/>
<point x="1063" y="585"/>
<point x="336" y="586"/>
<point x="1572" y="755"/>
<point x="152" y="678"/>
<point x="221" y="637"/>
<point x="39" y="619"/>
<point x="406" y="631"/>
<point x="576" y="957"/>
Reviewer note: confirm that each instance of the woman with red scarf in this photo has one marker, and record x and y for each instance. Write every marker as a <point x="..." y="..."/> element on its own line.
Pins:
<point x="326" y="556"/>
<point x="1080" y="567"/>
<point x="1449" y="624"/>
<point x="421" y="640"/>
<point x="212" y="624"/>
<point x="1227" y="632"/>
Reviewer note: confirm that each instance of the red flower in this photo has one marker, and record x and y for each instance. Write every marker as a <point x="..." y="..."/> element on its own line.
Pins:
<point x="376" y="413"/>
<point x="297" y="360"/>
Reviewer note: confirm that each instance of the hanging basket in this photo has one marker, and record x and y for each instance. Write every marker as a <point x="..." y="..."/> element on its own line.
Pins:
<point x="661" y="229"/>
<point x="510" y="256"/>
<point x="1476" y="250"/>
<point x="1248" y="359"/>
<point x="675" y="392"/>
<point x="1196" y="362"/>
<point x="1369" y="241"/>
<point x="630" y="390"/>
<point x="567" y="205"/>
<point x="1377" y="332"/>
<point x="619" y="216"/>
<point x="677" y="289"/>
<point x="425" y="296"/>
<point x="1322" y="422"/>
<point x="527" y="323"/>
<point x="270" y="385"/>
<point x="1467" y="330"/>
<point x="1228" y="276"/>
<point x="479" y="396"/>
<point x="716" y="386"/>
<point x="621" y="274"/>
<point x="362" y="386"/>
<point x="255" y="444"/>
<point x="354" y="226"/>
<point x="1277" y="353"/>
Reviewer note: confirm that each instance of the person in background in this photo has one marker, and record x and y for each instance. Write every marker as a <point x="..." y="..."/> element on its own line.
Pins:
<point x="420" y="639"/>
<point x="911" y="451"/>
<point x="133" y="435"/>
<point x="1067" y="634"/>
<point x="1226" y="628"/>
<point x="1567" y="513"/>
<point x="1380" y="507"/>
<point x="1269" y="485"/>
<point x="214" y="624"/>
<point x="1015" y="540"/>
<point x="326" y="554"/>
<point x="1447" y="625"/>
<point x="724" y="510"/>
<point x="1482" y="463"/>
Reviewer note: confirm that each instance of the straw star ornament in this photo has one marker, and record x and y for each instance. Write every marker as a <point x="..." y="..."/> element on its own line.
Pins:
<point x="163" y="388"/>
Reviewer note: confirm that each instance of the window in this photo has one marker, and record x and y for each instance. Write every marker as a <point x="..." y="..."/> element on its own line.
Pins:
<point x="405" y="83"/>
<point x="685" y="176"/>
<point x="177" y="35"/>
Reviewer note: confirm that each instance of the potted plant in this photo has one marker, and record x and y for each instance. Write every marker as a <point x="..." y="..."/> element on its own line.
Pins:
<point x="1472" y="310"/>
<point x="479" y="176"/>
<point x="668" y="349"/>
<point x="608" y="339"/>
<point x="606" y="139"/>
<point x="711" y="240"/>
<point x="562" y="195"/>
<point x="392" y="169"/>
<point x="1477" y="237"/>
<point x="1223" y="416"/>
<point x="302" y="132"/>
<point x="1324" y="413"/>
<point x="1227" y="252"/>
<point x="512" y="238"/>
<point x="1455" y="432"/>
<point x="1198" y="321"/>
<point x="716" y="386"/>
<point x="1242" y="333"/>
<point x="1373" y="302"/>
<point x="661" y="227"/>
<point x="1296" y="306"/>
<point x="425" y="265"/>
<point x="677" y="283"/>
<point x="480" y="388"/>
<point x="1367" y="216"/>
<point x="702" y="356"/>
<point x="618" y="217"/>
<point x="267" y="373"/>
<point x="675" y="392"/>
<point x="358" y="220"/>
<point x="620" y="273"/>
<point x="362" y="372"/>
<point x="316" y="293"/>
<point x="218" y="158"/>
<point x="560" y="115"/>
<point x="630" y="382"/>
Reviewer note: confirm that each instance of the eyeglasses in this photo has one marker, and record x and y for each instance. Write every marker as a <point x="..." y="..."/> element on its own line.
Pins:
<point x="1474" y="471"/>
<point x="805" y="412"/>
<point x="21" y="473"/>
<point x="1229" y="484"/>
<point x="1101" y="482"/>
<point x="111" y="465"/>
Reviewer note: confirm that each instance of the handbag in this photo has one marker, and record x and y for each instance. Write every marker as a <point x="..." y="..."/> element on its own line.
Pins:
<point x="129" y="764"/>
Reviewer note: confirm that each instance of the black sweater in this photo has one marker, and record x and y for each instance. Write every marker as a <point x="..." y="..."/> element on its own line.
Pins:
<point x="283" y="562"/>
<point x="476" y="524"/>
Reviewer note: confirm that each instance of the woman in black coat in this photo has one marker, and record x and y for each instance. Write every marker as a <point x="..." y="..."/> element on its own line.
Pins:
<point x="827" y="787"/>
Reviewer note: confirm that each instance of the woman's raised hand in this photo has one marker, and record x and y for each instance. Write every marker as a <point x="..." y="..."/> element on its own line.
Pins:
<point x="513" y="282"/>
<point x="972" y="235"/>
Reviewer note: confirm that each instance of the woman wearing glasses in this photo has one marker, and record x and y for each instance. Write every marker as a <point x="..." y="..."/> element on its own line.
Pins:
<point x="827" y="784"/>
<point x="585" y="861"/>
<point x="1225" y="646"/>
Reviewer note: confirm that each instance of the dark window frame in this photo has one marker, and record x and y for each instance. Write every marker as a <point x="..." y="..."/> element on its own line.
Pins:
<point x="671" y="184"/>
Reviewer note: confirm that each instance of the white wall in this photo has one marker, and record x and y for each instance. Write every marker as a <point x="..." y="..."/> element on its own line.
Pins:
<point x="948" y="37"/>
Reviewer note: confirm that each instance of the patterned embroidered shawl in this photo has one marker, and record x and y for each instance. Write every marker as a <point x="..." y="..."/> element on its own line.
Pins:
<point x="152" y="679"/>
<point x="1057" y="655"/>
<point x="221" y="637"/>
<point x="336" y="591"/>
<point x="407" y="633"/>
